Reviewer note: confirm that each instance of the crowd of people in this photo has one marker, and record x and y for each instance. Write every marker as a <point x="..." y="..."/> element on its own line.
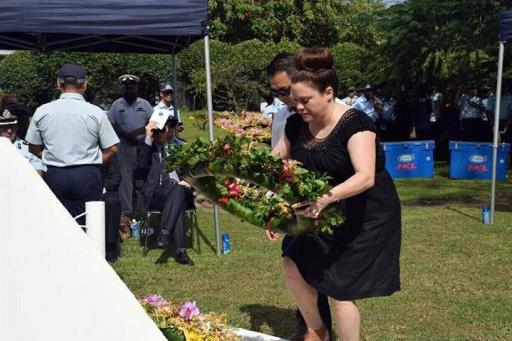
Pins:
<point x="85" y="154"/>
<point x="429" y="112"/>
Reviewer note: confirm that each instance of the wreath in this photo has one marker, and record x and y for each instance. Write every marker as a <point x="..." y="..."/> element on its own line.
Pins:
<point x="245" y="179"/>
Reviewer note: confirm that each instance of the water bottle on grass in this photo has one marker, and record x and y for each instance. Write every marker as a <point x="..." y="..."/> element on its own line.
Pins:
<point x="226" y="243"/>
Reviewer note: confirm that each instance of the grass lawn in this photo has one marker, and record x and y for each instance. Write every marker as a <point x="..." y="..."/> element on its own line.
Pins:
<point x="456" y="272"/>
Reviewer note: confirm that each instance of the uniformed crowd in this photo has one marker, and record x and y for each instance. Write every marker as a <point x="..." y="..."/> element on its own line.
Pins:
<point x="86" y="154"/>
<point x="429" y="112"/>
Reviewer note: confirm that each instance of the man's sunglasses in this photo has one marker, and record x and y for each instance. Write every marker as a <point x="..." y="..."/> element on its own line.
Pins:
<point x="166" y="93"/>
<point x="283" y="92"/>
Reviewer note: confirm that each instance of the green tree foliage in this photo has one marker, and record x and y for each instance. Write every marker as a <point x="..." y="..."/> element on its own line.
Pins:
<point x="439" y="39"/>
<point x="308" y="23"/>
<point x="32" y="76"/>
<point x="238" y="71"/>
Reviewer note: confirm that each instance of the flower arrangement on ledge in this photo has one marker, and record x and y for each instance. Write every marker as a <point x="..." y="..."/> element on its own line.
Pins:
<point x="184" y="322"/>
<point x="245" y="179"/>
<point x="247" y="124"/>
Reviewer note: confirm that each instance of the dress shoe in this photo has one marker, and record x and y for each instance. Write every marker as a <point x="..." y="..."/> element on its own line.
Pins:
<point x="183" y="258"/>
<point x="163" y="240"/>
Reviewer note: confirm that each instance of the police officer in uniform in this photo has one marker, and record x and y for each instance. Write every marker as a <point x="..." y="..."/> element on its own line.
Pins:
<point x="9" y="129"/>
<point x="73" y="138"/>
<point x="166" y="103"/>
<point x="129" y="115"/>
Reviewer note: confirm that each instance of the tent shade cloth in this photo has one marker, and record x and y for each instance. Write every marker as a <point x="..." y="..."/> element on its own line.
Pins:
<point x="102" y="25"/>
<point x="505" y="34"/>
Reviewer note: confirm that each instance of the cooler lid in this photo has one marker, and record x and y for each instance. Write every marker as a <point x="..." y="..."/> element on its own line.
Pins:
<point x="466" y="145"/>
<point x="426" y="145"/>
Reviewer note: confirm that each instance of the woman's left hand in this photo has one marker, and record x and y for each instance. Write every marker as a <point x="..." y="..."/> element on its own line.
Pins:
<point x="311" y="209"/>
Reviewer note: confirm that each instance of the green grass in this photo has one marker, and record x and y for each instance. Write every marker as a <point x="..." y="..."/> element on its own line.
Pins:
<point x="456" y="273"/>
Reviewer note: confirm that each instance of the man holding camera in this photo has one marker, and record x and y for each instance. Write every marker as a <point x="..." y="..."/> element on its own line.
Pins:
<point x="164" y="191"/>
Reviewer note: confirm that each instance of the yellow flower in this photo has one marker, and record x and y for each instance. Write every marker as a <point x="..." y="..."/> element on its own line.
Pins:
<point x="192" y="336"/>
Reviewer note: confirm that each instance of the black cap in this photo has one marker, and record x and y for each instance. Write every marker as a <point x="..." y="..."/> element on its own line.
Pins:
<point x="72" y="74"/>
<point x="6" y="118"/>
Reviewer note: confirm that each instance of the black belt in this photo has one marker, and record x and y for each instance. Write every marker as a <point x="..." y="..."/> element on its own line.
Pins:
<point x="73" y="166"/>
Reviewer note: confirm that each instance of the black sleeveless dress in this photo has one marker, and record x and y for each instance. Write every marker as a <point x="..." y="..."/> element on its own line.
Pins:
<point x="361" y="259"/>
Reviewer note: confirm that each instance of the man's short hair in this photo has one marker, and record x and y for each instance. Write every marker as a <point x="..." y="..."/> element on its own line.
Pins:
<point x="283" y="62"/>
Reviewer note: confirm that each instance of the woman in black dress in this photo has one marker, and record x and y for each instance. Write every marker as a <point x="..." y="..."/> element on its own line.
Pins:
<point x="361" y="259"/>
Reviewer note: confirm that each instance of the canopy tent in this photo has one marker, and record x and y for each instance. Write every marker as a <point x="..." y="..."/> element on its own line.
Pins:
<point x="142" y="26"/>
<point x="504" y="36"/>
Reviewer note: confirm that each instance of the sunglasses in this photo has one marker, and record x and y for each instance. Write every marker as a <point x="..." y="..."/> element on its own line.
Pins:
<point x="166" y="93"/>
<point x="283" y="92"/>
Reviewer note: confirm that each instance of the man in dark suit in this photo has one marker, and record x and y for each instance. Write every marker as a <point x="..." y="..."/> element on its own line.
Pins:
<point x="164" y="191"/>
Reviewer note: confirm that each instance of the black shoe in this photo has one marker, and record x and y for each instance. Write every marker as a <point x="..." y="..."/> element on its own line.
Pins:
<point x="183" y="258"/>
<point x="163" y="240"/>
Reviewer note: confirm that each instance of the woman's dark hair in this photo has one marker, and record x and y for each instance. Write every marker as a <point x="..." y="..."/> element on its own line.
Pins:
<point x="315" y="66"/>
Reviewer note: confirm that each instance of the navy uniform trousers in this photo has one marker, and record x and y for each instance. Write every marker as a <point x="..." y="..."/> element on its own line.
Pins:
<point x="74" y="186"/>
<point x="173" y="200"/>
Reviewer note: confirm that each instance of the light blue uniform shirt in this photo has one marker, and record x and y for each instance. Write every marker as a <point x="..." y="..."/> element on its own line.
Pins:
<point x="130" y="117"/>
<point x="172" y="111"/>
<point x="505" y="107"/>
<point x="388" y="113"/>
<point x="272" y="109"/>
<point x="22" y="147"/>
<point x="466" y="109"/>
<point x="72" y="131"/>
<point x="365" y="106"/>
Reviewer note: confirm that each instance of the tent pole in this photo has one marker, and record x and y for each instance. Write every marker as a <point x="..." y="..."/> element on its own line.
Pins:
<point x="174" y="82"/>
<point x="209" y="104"/>
<point x="496" y="129"/>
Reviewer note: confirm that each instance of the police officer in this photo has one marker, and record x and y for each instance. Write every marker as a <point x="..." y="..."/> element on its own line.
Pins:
<point x="73" y="138"/>
<point x="351" y="97"/>
<point x="369" y="104"/>
<point x="9" y="129"/>
<point x="166" y="104"/>
<point x="129" y="115"/>
<point x="471" y="115"/>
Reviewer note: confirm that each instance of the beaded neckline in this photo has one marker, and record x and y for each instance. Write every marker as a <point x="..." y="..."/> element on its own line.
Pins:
<point x="311" y="142"/>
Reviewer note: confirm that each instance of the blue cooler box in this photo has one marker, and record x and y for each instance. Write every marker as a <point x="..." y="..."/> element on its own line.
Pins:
<point x="473" y="160"/>
<point x="411" y="159"/>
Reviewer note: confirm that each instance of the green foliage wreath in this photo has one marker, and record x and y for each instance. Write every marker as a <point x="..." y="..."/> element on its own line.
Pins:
<point x="245" y="179"/>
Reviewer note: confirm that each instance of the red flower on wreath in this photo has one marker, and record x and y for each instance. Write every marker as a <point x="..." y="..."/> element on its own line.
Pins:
<point x="223" y="200"/>
<point x="287" y="174"/>
<point x="233" y="189"/>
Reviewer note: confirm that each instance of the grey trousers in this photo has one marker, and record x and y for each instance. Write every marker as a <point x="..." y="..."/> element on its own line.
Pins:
<point x="127" y="164"/>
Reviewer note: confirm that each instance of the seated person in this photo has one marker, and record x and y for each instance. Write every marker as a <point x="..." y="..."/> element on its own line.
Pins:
<point x="9" y="129"/>
<point x="111" y="175"/>
<point x="169" y="195"/>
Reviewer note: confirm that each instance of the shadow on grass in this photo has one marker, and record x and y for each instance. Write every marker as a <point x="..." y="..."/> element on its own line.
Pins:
<point x="279" y="320"/>
<point x="462" y="213"/>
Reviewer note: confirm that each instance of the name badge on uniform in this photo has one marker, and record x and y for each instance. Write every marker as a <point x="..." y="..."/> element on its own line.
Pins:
<point x="160" y="116"/>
